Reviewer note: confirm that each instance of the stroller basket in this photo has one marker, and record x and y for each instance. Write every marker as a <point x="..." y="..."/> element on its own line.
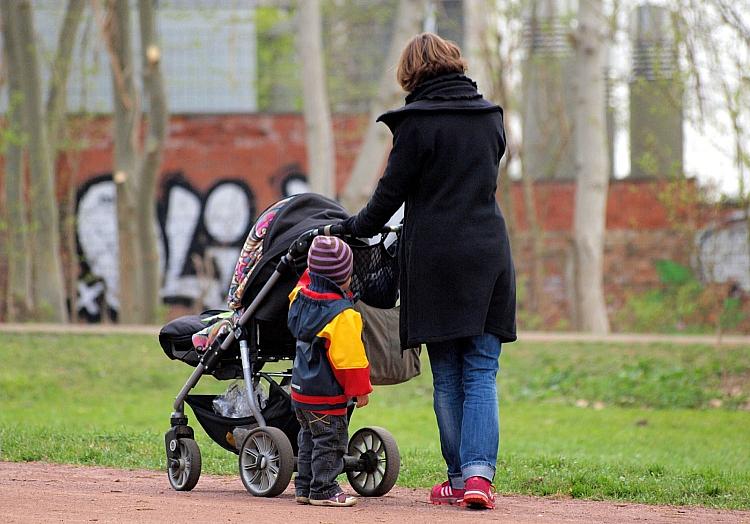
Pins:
<point x="278" y="413"/>
<point x="376" y="275"/>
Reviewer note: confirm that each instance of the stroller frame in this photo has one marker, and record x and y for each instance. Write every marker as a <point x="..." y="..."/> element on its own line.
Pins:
<point x="266" y="456"/>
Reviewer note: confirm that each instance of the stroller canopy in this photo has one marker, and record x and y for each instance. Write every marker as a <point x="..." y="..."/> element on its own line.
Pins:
<point x="270" y="237"/>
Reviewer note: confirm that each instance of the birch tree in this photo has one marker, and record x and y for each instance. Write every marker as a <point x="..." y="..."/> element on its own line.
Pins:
<point x="56" y="100"/>
<point x="153" y="85"/>
<point x="718" y="81"/>
<point x="592" y="166"/>
<point x="493" y="38"/>
<point x="479" y="16"/>
<point x="59" y="133"/>
<point x="18" y="289"/>
<point x="377" y="137"/>
<point x="126" y="110"/>
<point x="47" y="276"/>
<point x="137" y="162"/>
<point x="318" y="129"/>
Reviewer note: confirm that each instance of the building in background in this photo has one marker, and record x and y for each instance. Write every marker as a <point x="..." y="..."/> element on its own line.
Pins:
<point x="209" y="56"/>
<point x="547" y="105"/>
<point x="656" y="96"/>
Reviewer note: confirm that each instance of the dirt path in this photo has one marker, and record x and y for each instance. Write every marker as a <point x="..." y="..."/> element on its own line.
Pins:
<point x="38" y="492"/>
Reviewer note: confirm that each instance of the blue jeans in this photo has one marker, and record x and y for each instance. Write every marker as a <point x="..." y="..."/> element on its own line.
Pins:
<point x="464" y="373"/>
<point x="322" y="442"/>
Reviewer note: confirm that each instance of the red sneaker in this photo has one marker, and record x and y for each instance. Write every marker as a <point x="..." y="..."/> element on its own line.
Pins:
<point x="445" y="494"/>
<point x="479" y="493"/>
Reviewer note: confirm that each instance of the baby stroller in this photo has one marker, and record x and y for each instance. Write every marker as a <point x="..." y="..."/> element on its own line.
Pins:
<point x="272" y="260"/>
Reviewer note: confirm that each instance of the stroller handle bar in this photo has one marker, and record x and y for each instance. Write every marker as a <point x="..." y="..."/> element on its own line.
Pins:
<point x="338" y="230"/>
<point x="302" y="243"/>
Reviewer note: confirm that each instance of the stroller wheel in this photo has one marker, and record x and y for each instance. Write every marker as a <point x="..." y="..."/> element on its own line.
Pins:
<point x="185" y="470"/>
<point x="266" y="462"/>
<point x="378" y="452"/>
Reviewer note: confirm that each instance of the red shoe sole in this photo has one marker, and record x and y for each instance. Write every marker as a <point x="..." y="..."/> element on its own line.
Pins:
<point x="478" y="500"/>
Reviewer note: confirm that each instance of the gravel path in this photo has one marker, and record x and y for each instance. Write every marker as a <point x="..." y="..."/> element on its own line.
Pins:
<point x="41" y="492"/>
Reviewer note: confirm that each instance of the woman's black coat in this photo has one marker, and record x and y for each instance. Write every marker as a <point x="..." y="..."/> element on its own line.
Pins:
<point x="457" y="276"/>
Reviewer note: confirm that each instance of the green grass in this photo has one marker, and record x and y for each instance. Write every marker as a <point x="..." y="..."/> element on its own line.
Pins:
<point x="662" y="424"/>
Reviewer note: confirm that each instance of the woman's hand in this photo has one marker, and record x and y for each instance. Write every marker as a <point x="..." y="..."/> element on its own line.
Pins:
<point x="362" y="400"/>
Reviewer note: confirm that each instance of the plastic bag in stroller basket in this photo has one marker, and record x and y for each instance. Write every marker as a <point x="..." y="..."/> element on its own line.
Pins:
<point x="278" y="413"/>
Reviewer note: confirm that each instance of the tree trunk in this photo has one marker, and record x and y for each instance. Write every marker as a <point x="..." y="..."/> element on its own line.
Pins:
<point x="56" y="115"/>
<point x="484" y="46"/>
<point x="478" y="15"/>
<point x="593" y="171"/>
<point x="377" y="138"/>
<point x="153" y="85"/>
<point x="318" y="129"/>
<point x="47" y="283"/>
<point x="19" y="295"/>
<point x="117" y="29"/>
<point x="56" y="96"/>
<point x="536" y="278"/>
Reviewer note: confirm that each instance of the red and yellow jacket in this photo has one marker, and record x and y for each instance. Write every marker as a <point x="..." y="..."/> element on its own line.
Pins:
<point x="330" y="366"/>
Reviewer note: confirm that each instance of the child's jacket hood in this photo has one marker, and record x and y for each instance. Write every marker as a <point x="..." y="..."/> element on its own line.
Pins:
<point x="314" y="305"/>
<point x="330" y="365"/>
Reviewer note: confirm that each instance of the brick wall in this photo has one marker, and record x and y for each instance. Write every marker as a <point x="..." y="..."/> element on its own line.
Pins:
<point x="646" y="219"/>
<point x="255" y="148"/>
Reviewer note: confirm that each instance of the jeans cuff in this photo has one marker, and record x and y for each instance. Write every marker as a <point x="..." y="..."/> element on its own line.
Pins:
<point x="456" y="481"/>
<point x="301" y="489"/>
<point x="478" y="469"/>
<point x="327" y="494"/>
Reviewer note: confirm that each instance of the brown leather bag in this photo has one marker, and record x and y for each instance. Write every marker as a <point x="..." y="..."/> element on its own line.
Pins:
<point x="388" y="364"/>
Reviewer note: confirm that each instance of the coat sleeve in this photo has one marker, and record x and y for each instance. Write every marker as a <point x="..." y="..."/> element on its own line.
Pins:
<point x="400" y="176"/>
<point x="346" y="353"/>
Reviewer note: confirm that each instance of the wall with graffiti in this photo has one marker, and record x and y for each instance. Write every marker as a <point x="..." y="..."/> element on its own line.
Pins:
<point x="724" y="253"/>
<point x="200" y="236"/>
<point x="220" y="171"/>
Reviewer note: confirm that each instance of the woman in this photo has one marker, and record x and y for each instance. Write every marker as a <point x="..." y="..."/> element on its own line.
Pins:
<point x="457" y="276"/>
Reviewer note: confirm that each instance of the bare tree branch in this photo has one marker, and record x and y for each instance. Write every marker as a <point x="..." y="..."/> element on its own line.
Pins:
<point x="56" y="98"/>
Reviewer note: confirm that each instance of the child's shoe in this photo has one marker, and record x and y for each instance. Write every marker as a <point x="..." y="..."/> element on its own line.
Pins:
<point x="340" y="499"/>
<point x="445" y="494"/>
<point x="479" y="493"/>
<point x="300" y="499"/>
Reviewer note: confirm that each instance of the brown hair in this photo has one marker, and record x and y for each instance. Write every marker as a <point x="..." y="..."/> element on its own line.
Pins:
<point x="425" y="57"/>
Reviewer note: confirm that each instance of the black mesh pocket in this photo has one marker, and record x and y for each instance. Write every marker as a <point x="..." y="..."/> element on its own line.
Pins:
<point x="375" y="276"/>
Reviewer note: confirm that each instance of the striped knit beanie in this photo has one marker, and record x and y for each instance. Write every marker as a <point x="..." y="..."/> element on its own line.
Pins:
<point x="330" y="257"/>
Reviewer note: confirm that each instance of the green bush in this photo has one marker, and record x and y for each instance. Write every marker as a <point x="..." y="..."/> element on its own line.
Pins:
<point x="681" y="304"/>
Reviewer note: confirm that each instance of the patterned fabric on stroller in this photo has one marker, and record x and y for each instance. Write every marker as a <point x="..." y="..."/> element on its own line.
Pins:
<point x="237" y="343"/>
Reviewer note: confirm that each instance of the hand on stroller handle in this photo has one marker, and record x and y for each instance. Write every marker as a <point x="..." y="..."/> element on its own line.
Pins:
<point x="302" y="244"/>
<point x="338" y="230"/>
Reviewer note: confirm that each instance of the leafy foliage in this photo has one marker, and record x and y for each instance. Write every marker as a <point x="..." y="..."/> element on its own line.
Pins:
<point x="681" y="304"/>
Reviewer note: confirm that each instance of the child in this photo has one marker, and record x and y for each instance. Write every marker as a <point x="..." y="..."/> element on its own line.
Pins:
<point x="330" y="368"/>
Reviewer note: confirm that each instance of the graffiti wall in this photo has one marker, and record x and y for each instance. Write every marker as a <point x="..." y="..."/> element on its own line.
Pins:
<point x="220" y="171"/>
<point x="724" y="253"/>
<point x="200" y="235"/>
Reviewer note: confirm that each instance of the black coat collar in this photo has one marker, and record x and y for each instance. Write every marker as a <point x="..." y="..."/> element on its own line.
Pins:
<point x="453" y="92"/>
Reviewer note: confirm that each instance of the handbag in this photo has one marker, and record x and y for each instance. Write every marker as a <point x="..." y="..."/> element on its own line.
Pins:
<point x="388" y="363"/>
